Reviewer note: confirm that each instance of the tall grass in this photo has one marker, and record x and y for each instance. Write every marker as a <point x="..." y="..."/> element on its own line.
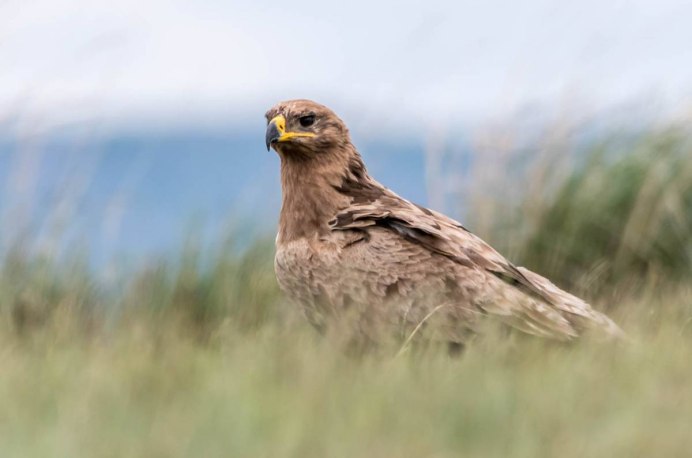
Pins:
<point x="614" y="213"/>
<point x="625" y="215"/>
<point x="230" y="285"/>
<point x="151" y="390"/>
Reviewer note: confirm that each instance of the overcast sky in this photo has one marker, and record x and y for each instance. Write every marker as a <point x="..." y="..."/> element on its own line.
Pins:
<point x="397" y="62"/>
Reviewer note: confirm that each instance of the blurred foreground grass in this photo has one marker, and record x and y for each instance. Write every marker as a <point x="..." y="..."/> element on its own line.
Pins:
<point x="199" y="356"/>
<point x="153" y="389"/>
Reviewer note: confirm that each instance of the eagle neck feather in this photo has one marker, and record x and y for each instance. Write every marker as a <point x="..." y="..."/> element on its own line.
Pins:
<point x="313" y="190"/>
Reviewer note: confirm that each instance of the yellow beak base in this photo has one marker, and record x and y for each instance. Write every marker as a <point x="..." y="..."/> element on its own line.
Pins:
<point x="276" y="132"/>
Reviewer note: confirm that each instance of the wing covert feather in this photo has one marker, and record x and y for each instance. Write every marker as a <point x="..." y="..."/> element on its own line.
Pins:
<point x="524" y="300"/>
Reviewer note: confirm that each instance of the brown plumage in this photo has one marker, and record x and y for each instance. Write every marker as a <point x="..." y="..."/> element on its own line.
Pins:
<point x="351" y="251"/>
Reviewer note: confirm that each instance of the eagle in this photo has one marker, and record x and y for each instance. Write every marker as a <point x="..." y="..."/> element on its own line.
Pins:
<point x="354" y="254"/>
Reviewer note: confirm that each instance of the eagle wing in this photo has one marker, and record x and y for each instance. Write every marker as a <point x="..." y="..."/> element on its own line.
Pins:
<point x="518" y="296"/>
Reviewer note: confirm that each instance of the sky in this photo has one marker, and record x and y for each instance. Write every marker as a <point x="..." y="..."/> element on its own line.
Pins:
<point x="390" y="65"/>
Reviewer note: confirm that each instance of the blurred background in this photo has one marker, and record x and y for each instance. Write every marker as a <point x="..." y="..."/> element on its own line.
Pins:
<point x="122" y="124"/>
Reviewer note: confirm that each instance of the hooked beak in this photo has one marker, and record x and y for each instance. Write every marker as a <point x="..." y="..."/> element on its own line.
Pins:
<point x="276" y="132"/>
<point x="273" y="133"/>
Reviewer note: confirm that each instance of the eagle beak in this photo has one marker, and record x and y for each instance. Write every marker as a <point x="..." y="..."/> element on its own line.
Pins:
<point x="275" y="128"/>
<point x="276" y="132"/>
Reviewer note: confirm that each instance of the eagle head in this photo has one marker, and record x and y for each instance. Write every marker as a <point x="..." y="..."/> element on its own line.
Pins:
<point x="303" y="128"/>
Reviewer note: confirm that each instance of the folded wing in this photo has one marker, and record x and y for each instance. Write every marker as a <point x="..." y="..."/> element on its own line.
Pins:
<point x="523" y="298"/>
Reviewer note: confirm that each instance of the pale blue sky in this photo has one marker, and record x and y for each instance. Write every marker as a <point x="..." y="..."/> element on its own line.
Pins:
<point x="387" y="61"/>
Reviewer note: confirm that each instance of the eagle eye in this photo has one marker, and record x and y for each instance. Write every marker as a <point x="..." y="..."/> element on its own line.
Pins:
<point x="307" y="121"/>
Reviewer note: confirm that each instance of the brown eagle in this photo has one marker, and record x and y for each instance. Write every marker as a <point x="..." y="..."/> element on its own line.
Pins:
<point x="349" y="250"/>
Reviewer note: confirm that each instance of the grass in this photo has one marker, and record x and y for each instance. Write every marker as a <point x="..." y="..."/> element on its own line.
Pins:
<point x="154" y="390"/>
<point x="200" y="355"/>
<point x="627" y="216"/>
